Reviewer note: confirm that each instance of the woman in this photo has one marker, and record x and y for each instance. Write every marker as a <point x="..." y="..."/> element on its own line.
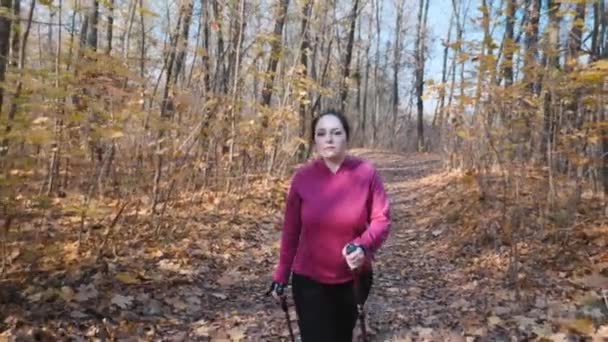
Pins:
<point x="334" y="200"/>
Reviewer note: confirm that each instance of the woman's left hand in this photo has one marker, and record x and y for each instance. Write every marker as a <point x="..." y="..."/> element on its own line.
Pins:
<point x="354" y="259"/>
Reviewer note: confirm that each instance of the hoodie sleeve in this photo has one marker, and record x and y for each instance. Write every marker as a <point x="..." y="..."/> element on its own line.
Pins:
<point x="290" y="235"/>
<point x="379" y="220"/>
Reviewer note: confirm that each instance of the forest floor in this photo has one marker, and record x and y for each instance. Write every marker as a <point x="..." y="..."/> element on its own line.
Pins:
<point x="201" y="271"/>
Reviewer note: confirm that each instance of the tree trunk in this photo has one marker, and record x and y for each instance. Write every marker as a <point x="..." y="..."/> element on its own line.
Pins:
<point x="304" y="51"/>
<point x="93" y="25"/>
<point x="439" y="117"/>
<point x="5" y="35"/>
<point x="550" y="62"/>
<point x="183" y="42"/>
<point x="509" y="45"/>
<point x="420" y="47"/>
<point x="110" y="27"/>
<point x="531" y="42"/>
<point x="273" y="61"/>
<point x="349" y="53"/>
<point x="376" y="109"/>
<point x="142" y="52"/>
<point x="220" y="83"/>
<point x="396" y="68"/>
<point x="166" y="111"/>
<point x="205" y="57"/>
<point x="364" y="117"/>
<point x="16" y="33"/>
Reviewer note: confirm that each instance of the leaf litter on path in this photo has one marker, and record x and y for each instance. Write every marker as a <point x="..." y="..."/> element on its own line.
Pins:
<point x="207" y="278"/>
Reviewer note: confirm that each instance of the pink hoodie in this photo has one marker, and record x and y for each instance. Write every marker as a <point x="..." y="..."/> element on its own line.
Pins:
<point x="324" y="212"/>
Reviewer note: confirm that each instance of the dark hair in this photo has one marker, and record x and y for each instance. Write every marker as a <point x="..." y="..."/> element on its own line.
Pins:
<point x="337" y="114"/>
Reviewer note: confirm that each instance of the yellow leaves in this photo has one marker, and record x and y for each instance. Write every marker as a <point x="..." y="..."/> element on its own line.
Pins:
<point x="595" y="73"/>
<point x="70" y="252"/>
<point x="38" y="136"/>
<point x="127" y="278"/>
<point x="40" y="120"/>
<point x="579" y="325"/>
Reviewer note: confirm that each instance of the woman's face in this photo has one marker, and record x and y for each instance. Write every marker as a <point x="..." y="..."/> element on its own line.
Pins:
<point x="330" y="138"/>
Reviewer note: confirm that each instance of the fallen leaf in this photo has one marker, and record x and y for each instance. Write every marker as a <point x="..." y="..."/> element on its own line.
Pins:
<point x="78" y="314"/>
<point x="219" y="295"/>
<point x="127" y="278"/>
<point x="86" y="292"/>
<point x="177" y="303"/>
<point x="581" y="325"/>
<point x="35" y="297"/>
<point x="230" y="277"/>
<point x="602" y="332"/>
<point x="237" y="333"/>
<point x="524" y="322"/>
<point x="202" y="328"/>
<point x="67" y="293"/>
<point x="122" y="301"/>
<point x="494" y="321"/>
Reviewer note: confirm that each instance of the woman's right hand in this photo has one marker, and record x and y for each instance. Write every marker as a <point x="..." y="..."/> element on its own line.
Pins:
<point x="277" y="290"/>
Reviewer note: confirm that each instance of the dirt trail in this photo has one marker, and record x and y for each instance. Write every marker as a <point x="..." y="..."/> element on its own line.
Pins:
<point x="206" y="280"/>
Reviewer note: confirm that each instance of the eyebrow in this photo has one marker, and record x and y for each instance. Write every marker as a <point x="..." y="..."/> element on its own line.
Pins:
<point x="333" y="129"/>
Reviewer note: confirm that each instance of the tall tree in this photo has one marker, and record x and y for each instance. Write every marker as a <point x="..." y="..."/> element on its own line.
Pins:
<point x="397" y="65"/>
<point x="110" y="28"/>
<point x="509" y="45"/>
<point x="304" y="52"/>
<point x="93" y="22"/>
<point x="276" y="44"/>
<point x="349" y="53"/>
<point x="5" y="34"/>
<point x="551" y="64"/>
<point x="419" y="74"/>
<point x="187" y="8"/>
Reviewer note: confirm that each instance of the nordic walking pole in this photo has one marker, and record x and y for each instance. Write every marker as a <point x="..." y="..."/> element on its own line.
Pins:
<point x="286" y="310"/>
<point x="357" y="292"/>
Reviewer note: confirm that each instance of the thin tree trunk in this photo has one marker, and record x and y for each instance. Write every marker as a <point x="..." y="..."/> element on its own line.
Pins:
<point x="110" y="27"/>
<point x="235" y="92"/>
<point x="349" y="53"/>
<point x="166" y="111"/>
<point x="93" y="25"/>
<point x="196" y="48"/>
<point x="444" y="73"/>
<point x="21" y="65"/>
<point x="550" y="62"/>
<point x="142" y="51"/>
<point x="5" y="34"/>
<point x="220" y="85"/>
<point x="304" y="51"/>
<point x="368" y="45"/>
<point x="509" y="46"/>
<point x="396" y="69"/>
<point x="274" y="51"/>
<point x="420" y="47"/>
<point x="205" y="56"/>
<point x="16" y="33"/>
<point x="376" y="78"/>
<point x="183" y="42"/>
<point x="127" y="35"/>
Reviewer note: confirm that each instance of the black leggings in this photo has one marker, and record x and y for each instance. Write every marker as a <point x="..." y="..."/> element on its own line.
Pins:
<point x="327" y="313"/>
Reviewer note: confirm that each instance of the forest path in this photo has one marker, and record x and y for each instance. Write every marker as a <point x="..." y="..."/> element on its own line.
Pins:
<point x="204" y="277"/>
